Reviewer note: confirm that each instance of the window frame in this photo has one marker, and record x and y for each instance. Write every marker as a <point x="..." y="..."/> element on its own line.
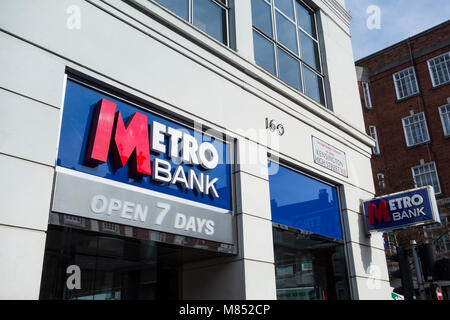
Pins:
<point x="278" y="45"/>
<point x="433" y="163"/>
<point x="225" y="6"/>
<point x="340" y="195"/>
<point x="431" y="72"/>
<point x="426" y="130"/>
<point x="397" y="89"/>
<point x="447" y="115"/>
<point x="374" y="135"/>
<point x="367" y="97"/>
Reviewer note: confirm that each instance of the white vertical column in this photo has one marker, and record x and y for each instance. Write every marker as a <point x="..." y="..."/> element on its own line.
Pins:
<point x="242" y="28"/>
<point x="32" y="85"/>
<point x="367" y="266"/>
<point x="250" y="274"/>
<point x="254" y="221"/>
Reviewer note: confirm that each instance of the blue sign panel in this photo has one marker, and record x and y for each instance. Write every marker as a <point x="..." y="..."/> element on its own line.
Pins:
<point x="107" y="137"/>
<point x="401" y="210"/>
<point x="304" y="203"/>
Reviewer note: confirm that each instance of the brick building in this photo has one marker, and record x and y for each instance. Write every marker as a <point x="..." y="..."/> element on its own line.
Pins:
<point x="405" y="94"/>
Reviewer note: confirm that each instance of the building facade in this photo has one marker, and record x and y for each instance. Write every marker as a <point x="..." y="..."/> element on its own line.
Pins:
<point x="405" y="94"/>
<point x="198" y="150"/>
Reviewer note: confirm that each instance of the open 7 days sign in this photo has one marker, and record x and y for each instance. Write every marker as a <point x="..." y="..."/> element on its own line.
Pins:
<point x="123" y="164"/>
<point x="400" y="210"/>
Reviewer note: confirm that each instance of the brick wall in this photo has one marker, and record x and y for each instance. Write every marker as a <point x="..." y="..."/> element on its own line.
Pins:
<point x="396" y="159"/>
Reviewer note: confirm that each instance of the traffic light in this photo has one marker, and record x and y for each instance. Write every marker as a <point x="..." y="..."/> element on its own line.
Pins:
<point x="404" y="273"/>
<point x="427" y="254"/>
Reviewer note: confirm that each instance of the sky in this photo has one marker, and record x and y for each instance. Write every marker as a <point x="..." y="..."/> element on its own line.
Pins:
<point x="396" y="21"/>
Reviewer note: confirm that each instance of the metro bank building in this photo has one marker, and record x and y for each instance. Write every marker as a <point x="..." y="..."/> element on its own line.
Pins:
<point x="191" y="149"/>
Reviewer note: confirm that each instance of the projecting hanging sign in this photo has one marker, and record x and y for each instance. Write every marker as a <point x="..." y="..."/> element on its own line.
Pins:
<point x="122" y="164"/>
<point x="329" y="157"/>
<point x="401" y="210"/>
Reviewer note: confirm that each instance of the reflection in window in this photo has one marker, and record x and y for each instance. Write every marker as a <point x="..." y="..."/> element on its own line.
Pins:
<point x="295" y="32"/>
<point x="310" y="261"/>
<point x="313" y="84"/>
<point x="264" y="53"/>
<point x="262" y="17"/>
<point x="179" y="7"/>
<point x="286" y="33"/>
<point x="112" y="267"/>
<point x="209" y="16"/>
<point x="309" y="267"/>
<point x="289" y="69"/>
<point x="304" y="203"/>
<point x="285" y="6"/>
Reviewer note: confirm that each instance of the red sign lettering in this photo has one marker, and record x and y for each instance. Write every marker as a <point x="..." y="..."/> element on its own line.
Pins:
<point x="130" y="140"/>
<point x="380" y="213"/>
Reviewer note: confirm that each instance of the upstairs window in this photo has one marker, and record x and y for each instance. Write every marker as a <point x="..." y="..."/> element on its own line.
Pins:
<point x="210" y="16"/>
<point x="415" y="128"/>
<point x="373" y="134"/>
<point x="445" y="118"/>
<point x="286" y="44"/>
<point x="426" y="175"/>
<point x="440" y="69"/>
<point x="405" y="83"/>
<point x="366" y="92"/>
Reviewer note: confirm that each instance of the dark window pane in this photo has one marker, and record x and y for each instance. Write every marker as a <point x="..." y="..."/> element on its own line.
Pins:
<point x="313" y="85"/>
<point x="262" y="17"/>
<point x="210" y="18"/>
<point x="264" y="53"/>
<point x="287" y="7"/>
<point x="179" y="7"/>
<point x="112" y="267"/>
<point x="286" y="33"/>
<point x="306" y="19"/>
<point x="289" y="69"/>
<point x="310" y="51"/>
<point x="309" y="267"/>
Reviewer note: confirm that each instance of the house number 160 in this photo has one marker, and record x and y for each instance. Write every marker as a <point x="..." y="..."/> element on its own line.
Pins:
<point x="272" y="126"/>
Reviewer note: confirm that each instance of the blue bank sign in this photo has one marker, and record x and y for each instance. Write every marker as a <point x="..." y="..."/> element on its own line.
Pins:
<point x="124" y="164"/>
<point x="401" y="210"/>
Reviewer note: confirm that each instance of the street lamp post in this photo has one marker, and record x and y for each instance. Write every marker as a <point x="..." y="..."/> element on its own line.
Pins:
<point x="418" y="271"/>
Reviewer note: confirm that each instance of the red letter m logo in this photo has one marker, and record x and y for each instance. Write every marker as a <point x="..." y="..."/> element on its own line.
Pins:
<point x="130" y="140"/>
<point x="379" y="213"/>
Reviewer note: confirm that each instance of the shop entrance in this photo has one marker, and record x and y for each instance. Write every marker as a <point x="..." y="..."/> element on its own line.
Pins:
<point x="110" y="267"/>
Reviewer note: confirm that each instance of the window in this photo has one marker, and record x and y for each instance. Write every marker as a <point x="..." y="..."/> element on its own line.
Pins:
<point x="440" y="69"/>
<point x="308" y="240"/>
<point x="405" y="83"/>
<point x="112" y="267"/>
<point x="304" y="203"/>
<point x="445" y="118"/>
<point x="367" y="99"/>
<point x="426" y="175"/>
<point x="415" y="128"/>
<point x="286" y="44"/>
<point x="373" y="134"/>
<point x="210" y="16"/>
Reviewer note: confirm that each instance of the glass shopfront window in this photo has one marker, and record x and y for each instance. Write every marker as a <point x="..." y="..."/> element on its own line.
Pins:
<point x="110" y="267"/>
<point x="310" y="259"/>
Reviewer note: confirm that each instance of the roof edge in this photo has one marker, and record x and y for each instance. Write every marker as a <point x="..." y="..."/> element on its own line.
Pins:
<point x="403" y="41"/>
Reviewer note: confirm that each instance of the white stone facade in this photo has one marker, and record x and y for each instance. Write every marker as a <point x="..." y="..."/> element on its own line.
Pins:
<point x="168" y="62"/>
